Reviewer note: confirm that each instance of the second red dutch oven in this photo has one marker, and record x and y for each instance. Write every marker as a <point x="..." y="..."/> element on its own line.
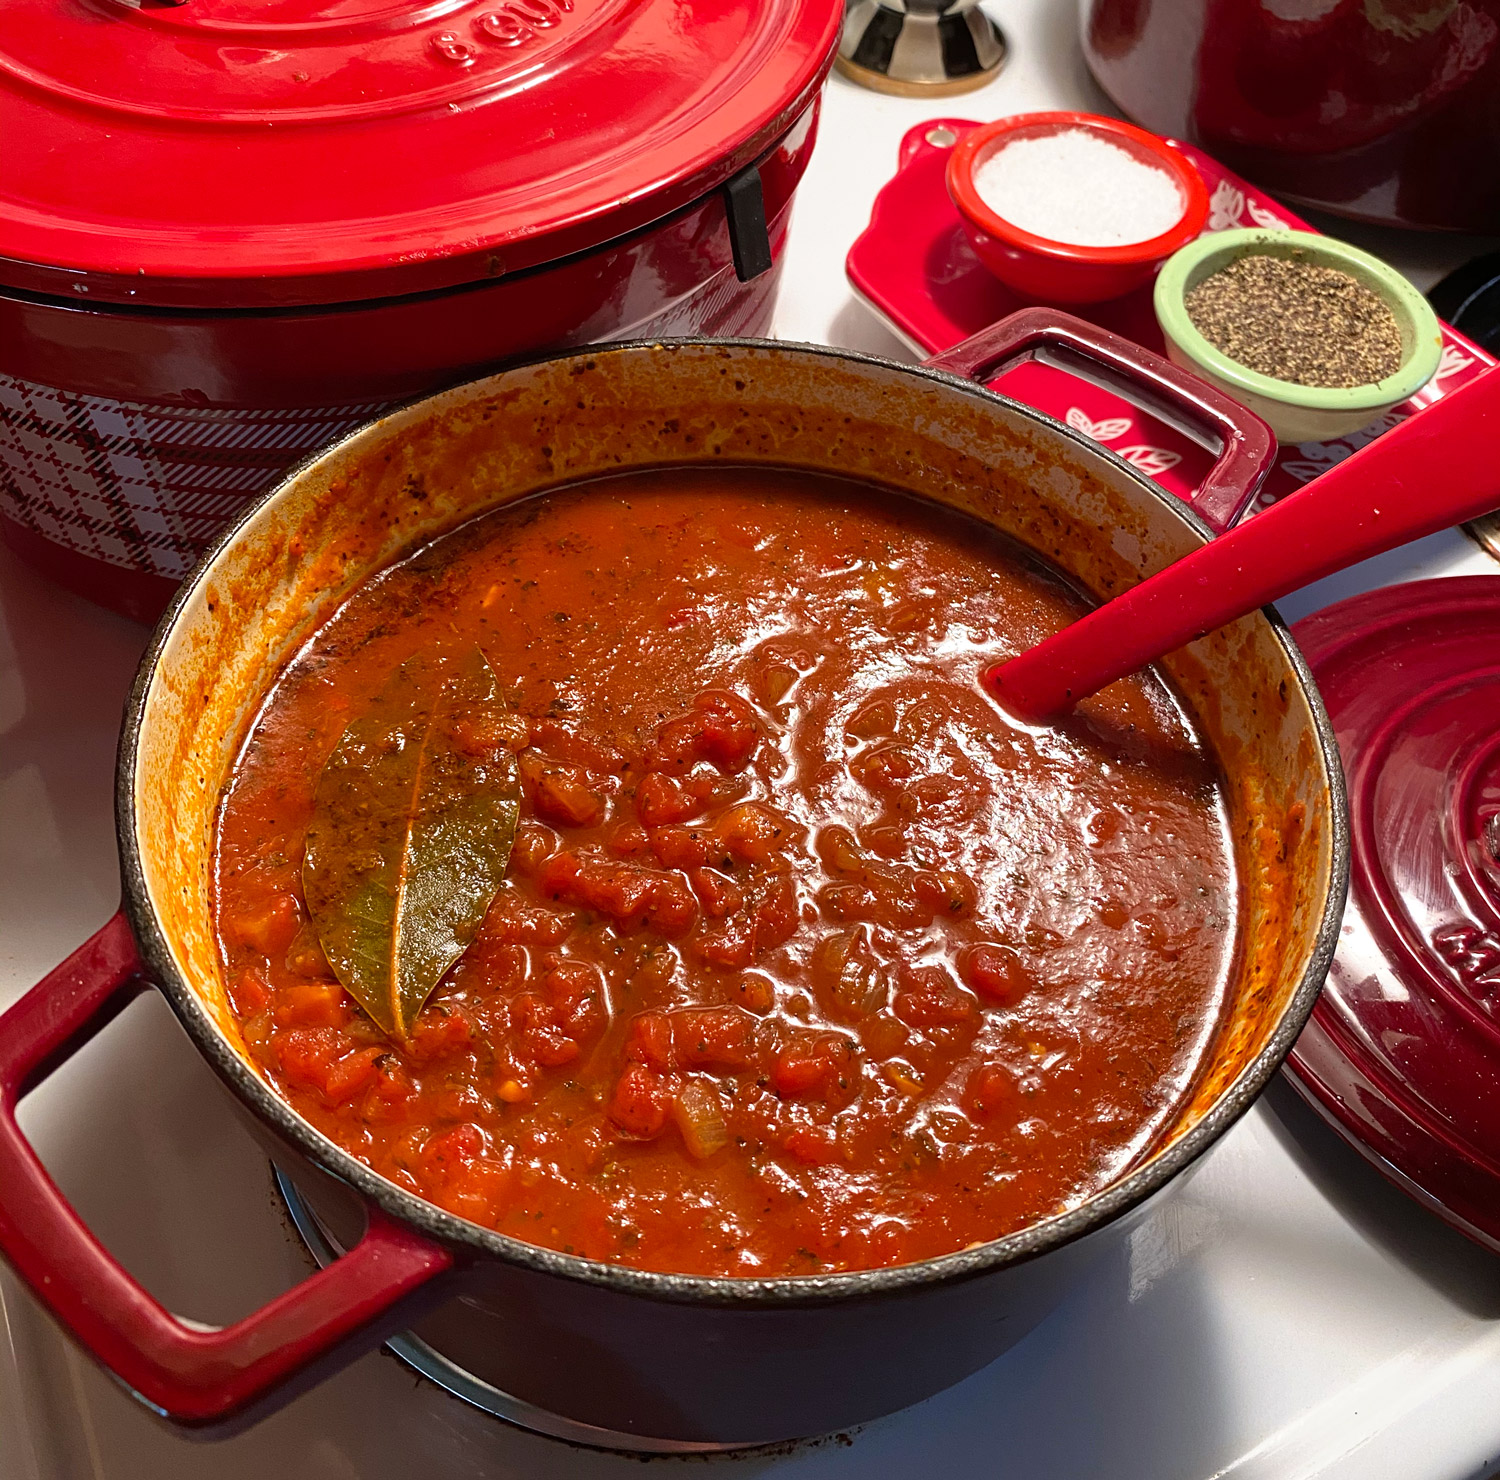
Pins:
<point x="233" y="230"/>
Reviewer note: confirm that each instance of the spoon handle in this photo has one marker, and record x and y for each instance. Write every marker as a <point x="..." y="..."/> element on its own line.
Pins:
<point x="1436" y="469"/>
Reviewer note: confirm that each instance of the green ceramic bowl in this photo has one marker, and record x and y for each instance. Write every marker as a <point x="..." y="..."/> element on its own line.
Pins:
<point x="1298" y="413"/>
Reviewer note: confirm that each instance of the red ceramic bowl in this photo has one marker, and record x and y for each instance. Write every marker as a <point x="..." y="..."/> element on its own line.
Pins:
<point x="1061" y="272"/>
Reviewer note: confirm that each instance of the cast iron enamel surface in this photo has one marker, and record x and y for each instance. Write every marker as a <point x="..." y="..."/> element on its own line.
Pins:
<point x="307" y="141"/>
<point x="1403" y="1051"/>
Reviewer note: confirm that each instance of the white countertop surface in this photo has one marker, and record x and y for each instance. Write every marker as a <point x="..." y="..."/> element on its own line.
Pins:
<point x="1284" y="1315"/>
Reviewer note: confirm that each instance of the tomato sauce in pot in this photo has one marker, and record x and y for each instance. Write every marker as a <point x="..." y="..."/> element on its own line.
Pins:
<point x="807" y="958"/>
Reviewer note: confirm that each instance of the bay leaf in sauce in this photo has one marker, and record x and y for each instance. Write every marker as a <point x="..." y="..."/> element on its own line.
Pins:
<point x="413" y="820"/>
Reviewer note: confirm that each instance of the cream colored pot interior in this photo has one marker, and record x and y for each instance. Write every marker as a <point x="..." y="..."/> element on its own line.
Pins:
<point x="424" y="469"/>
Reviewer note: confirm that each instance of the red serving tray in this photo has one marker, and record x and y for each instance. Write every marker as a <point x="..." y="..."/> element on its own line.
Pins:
<point x="914" y="267"/>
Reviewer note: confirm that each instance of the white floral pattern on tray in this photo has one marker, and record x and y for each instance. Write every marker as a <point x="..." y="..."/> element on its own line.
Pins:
<point x="1150" y="460"/>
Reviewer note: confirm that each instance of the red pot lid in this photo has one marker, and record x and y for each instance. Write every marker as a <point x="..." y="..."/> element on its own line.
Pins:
<point x="1403" y="1049"/>
<point x="240" y="152"/>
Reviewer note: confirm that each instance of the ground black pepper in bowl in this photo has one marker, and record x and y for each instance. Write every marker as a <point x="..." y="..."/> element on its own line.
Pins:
<point x="1293" y="320"/>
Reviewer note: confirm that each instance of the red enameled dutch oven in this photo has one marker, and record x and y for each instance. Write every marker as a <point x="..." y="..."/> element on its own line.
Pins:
<point x="233" y="230"/>
<point x="1383" y="110"/>
<point x="663" y="1359"/>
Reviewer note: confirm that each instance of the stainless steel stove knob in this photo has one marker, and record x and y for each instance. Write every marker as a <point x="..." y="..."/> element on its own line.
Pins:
<point x="920" y="48"/>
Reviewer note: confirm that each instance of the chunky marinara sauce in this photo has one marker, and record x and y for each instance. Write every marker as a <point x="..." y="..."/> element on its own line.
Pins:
<point x="807" y="957"/>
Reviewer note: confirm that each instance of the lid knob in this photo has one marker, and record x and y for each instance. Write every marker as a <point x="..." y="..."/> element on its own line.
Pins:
<point x="920" y="48"/>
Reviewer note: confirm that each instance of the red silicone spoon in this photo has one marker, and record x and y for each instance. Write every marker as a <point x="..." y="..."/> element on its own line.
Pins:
<point x="1434" y="470"/>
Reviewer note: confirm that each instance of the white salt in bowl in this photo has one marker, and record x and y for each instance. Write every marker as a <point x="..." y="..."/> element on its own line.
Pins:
<point x="1084" y="198"/>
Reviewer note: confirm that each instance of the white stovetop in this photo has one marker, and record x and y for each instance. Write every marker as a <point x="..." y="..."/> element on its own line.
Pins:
<point x="1285" y="1315"/>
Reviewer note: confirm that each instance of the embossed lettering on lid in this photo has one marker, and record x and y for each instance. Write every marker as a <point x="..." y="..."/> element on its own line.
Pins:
<point x="226" y="152"/>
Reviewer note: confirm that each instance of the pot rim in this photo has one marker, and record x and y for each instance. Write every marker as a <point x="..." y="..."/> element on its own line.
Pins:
<point x="721" y="1291"/>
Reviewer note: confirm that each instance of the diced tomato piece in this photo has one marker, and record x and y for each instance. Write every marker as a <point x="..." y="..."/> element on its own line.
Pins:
<point x="549" y="1047"/>
<point x="351" y="1074"/>
<point x="439" y="1030"/>
<point x="306" y="1054"/>
<point x="730" y="732"/>
<point x="659" y="799"/>
<point x="996" y="973"/>
<point x="677" y="740"/>
<point x="682" y="847"/>
<point x="452" y="1149"/>
<point x="562" y="797"/>
<point x="478" y="1191"/>
<point x="391" y="1092"/>
<point x="530" y="1010"/>
<point x="930" y="998"/>
<point x="629" y="840"/>
<point x="641" y="1102"/>
<point x="815" y="1147"/>
<point x="752" y="832"/>
<point x="526" y="925"/>
<point x="583" y="1018"/>
<point x="456" y="1098"/>
<point x="249" y="993"/>
<point x="776" y="914"/>
<point x="533" y="846"/>
<point x="714" y="1037"/>
<point x="315" y="1057"/>
<point x="570" y="982"/>
<point x="271" y="928"/>
<point x="490" y="966"/>
<point x="311" y="1005"/>
<point x="798" y="1071"/>
<point x="489" y="734"/>
<point x="990" y="1090"/>
<point x="673" y="909"/>
<point x="711" y="789"/>
<point x="619" y="890"/>
<point x="946" y="892"/>
<point x="849" y="902"/>
<point x="730" y="946"/>
<point x="722" y="729"/>
<point x="816" y="1064"/>
<point x="577" y="745"/>
<point x="559" y="874"/>
<point x="650" y="1041"/>
<point x="625" y="892"/>
<point x="719" y="896"/>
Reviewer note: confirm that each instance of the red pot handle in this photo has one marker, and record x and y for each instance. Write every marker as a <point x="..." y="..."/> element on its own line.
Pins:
<point x="191" y="1374"/>
<point x="1247" y="444"/>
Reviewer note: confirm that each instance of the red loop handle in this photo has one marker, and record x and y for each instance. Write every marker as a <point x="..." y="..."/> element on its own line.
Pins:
<point x="1247" y="444"/>
<point x="191" y="1374"/>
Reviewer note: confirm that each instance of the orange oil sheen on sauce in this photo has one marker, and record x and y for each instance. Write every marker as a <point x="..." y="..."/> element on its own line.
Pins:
<point x="807" y="959"/>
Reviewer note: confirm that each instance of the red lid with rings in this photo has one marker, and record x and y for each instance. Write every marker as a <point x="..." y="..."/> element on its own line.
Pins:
<point x="1402" y="1051"/>
<point x="233" y="153"/>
